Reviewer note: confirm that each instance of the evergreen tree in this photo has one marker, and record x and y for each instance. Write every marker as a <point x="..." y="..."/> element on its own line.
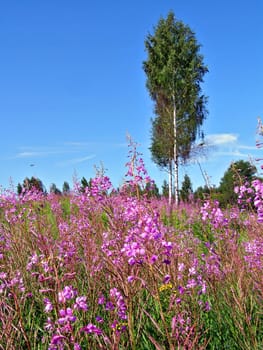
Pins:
<point x="165" y="189"/>
<point x="186" y="189"/>
<point x="175" y="70"/>
<point x="84" y="183"/>
<point x="202" y="192"/>
<point x="54" y="189"/>
<point x="32" y="184"/>
<point x="237" y="174"/>
<point x="19" y="188"/>
<point x="65" y="187"/>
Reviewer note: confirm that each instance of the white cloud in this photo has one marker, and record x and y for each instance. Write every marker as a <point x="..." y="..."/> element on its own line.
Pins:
<point x="220" y="139"/>
<point x="233" y="153"/>
<point x="76" y="160"/>
<point x="37" y="154"/>
<point x="251" y="148"/>
<point x="26" y="154"/>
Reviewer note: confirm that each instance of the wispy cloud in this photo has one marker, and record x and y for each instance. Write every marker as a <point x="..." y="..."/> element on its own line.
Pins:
<point x="231" y="153"/>
<point x="76" y="160"/>
<point x="66" y="148"/>
<point x="77" y="144"/>
<point x="221" y="139"/>
<point x="37" y="154"/>
<point x="227" y="145"/>
<point x="251" y="148"/>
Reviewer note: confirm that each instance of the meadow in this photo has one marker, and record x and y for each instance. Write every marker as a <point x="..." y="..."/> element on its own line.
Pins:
<point x="107" y="269"/>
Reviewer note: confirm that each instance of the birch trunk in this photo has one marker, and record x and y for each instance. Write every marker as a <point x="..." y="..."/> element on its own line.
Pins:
<point x="175" y="160"/>
<point x="170" y="183"/>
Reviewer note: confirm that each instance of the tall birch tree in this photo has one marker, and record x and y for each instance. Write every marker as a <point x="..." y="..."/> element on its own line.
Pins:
<point x="174" y="68"/>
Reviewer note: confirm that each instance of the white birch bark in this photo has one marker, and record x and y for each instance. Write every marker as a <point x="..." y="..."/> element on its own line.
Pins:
<point x="175" y="160"/>
<point x="170" y="183"/>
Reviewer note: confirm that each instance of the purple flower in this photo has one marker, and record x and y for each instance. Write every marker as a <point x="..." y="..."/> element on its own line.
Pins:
<point x="91" y="328"/>
<point x="130" y="279"/>
<point x="166" y="278"/>
<point x="49" y="326"/>
<point x="207" y="306"/>
<point x="191" y="283"/>
<point x="57" y="339"/>
<point x="99" y="319"/>
<point x="48" y="305"/>
<point x="109" y="306"/>
<point x="181" y="289"/>
<point x="153" y="259"/>
<point x="67" y="294"/>
<point x="81" y="304"/>
<point x="101" y="299"/>
<point x="66" y="316"/>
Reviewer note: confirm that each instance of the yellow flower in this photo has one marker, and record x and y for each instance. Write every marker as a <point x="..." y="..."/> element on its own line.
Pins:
<point x="165" y="287"/>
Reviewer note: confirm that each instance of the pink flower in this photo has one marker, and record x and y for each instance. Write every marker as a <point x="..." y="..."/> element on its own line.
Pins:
<point x="48" y="305"/>
<point x="91" y="328"/>
<point x="66" y="316"/>
<point x="81" y="304"/>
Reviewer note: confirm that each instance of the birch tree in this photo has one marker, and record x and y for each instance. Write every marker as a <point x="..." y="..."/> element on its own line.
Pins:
<point x="174" y="69"/>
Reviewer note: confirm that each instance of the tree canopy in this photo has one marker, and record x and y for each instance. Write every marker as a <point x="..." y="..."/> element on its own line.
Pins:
<point x="174" y="70"/>
<point x="30" y="184"/>
<point x="238" y="173"/>
<point x="186" y="189"/>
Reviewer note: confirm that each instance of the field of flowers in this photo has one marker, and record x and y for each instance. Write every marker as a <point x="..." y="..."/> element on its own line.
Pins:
<point x="105" y="269"/>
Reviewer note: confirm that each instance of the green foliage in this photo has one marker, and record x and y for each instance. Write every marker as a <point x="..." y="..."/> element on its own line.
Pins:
<point x="151" y="190"/>
<point x="19" y="188"/>
<point x="202" y="192"/>
<point x="165" y="189"/>
<point x="238" y="173"/>
<point x="84" y="183"/>
<point x="186" y="189"/>
<point x="59" y="241"/>
<point x="174" y="69"/>
<point x="65" y="187"/>
<point x="54" y="189"/>
<point x="31" y="184"/>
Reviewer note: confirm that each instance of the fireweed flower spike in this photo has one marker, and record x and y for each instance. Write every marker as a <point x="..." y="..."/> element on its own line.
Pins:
<point x="66" y="315"/>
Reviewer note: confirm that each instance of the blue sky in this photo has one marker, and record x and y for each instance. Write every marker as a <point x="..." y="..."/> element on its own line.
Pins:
<point x="72" y="85"/>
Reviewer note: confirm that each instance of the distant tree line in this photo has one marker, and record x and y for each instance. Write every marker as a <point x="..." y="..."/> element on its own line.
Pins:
<point x="238" y="173"/>
<point x="35" y="184"/>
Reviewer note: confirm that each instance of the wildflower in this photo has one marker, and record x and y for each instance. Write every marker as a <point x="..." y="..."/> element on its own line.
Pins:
<point x="49" y="326"/>
<point x="164" y="287"/>
<point x="109" y="306"/>
<point x="99" y="319"/>
<point x="56" y="340"/>
<point x="207" y="306"/>
<point x="181" y="267"/>
<point x="166" y="278"/>
<point x="3" y="275"/>
<point x="48" y="305"/>
<point x="91" y="328"/>
<point x="33" y="260"/>
<point x="191" y="283"/>
<point x="119" y="327"/>
<point x="192" y="271"/>
<point x="130" y="279"/>
<point x="81" y="304"/>
<point x="67" y="294"/>
<point x="66" y="316"/>
<point x="101" y="299"/>
<point x="181" y="289"/>
<point x="153" y="259"/>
